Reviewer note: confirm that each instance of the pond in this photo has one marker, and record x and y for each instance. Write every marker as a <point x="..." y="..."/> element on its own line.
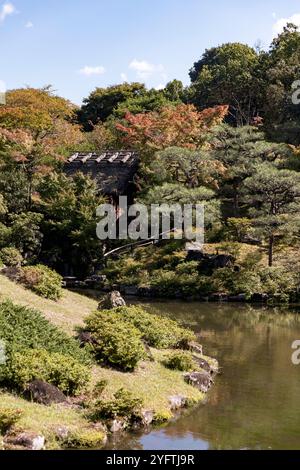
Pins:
<point x="255" y="402"/>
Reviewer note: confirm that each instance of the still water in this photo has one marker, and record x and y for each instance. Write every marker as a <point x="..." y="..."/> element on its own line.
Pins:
<point x="255" y="402"/>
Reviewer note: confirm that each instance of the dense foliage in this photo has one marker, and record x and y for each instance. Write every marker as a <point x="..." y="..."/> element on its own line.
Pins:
<point x="42" y="280"/>
<point x="64" y="372"/>
<point x="22" y="328"/>
<point x="118" y="335"/>
<point x="228" y="141"/>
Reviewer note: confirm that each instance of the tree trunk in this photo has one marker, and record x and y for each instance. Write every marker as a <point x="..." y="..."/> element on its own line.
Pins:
<point x="271" y="244"/>
<point x="236" y="202"/>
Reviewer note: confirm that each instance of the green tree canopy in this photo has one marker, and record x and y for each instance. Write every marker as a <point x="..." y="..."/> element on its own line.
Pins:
<point x="274" y="198"/>
<point x="227" y="75"/>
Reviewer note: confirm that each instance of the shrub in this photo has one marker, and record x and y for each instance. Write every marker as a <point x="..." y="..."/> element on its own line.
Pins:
<point x="43" y="281"/>
<point x="11" y="257"/>
<point x="278" y="282"/>
<point x="117" y="343"/>
<point x="190" y="267"/>
<point x="85" y="439"/>
<point x="156" y="331"/>
<point x="162" y="416"/>
<point x="124" y="404"/>
<point x="23" y="328"/>
<point x="169" y="283"/>
<point x="99" y="388"/>
<point x="66" y="373"/>
<point x="180" y="360"/>
<point x="8" y="418"/>
<point x="234" y="283"/>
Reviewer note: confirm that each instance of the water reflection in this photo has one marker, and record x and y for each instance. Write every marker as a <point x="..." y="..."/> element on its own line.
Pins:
<point x="255" y="402"/>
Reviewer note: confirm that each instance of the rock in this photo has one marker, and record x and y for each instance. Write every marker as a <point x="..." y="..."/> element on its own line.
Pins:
<point x="13" y="273"/>
<point x="177" y="402"/>
<point x="117" y="425"/>
<point x="62" y="433"/>
<point x="27" y="440"/>
<point x="200" y="380"/>
<point x="44" y="393"/>
<point x="259" y="298"/>
<point x="69" y="281"/>
<point x="219" y="297"/>
<point x="147" y="417"/>
<point x="131" y="290"/>
<point x="148" y="352"/>
<point x="112" y="300"/>
<point x="206" y="366"/>
<point x="195" y="347"/>
<point x="203" y="364"/>
<point x="238" y="298"/>
<point x="195" y="255"/>
<point x="146" y="292"/>
<point x="85" y="337"/>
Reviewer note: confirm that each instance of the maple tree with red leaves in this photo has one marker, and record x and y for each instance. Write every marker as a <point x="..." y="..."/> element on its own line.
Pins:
<point x="181" y="126"/>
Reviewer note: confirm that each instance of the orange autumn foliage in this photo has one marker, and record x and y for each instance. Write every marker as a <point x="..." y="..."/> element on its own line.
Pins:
<point x="181" y="126"/>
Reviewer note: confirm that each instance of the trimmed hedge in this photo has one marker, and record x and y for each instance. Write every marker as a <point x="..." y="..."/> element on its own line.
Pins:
<point x="119" y="333"/>
<point x="180" y="360"/>
<point x="156" y="331"/>
<point x="124" y="404"/>
<point x="116" y="342"/>
<point x="11" y="257"/>
<point x="43" y="281"/>
<point x="8" y="418"/>
<point x="23" y="328"/>
<point x="66" y="373"/>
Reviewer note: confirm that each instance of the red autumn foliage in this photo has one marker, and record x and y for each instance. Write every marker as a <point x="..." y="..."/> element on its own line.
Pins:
<point x="181" y="126"/>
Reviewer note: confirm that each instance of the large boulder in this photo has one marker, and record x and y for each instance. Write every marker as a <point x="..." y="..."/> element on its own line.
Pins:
<point x="206" y="366"/>
<point x="177" y="402"/>
<point x="200" y="380"/>
<point x="111" y="300"/>
<point x="147" y="417"/>
<point x="86" y="337"/>
<point x="195" y="347"/>
<point x="44" y="393"/>
<point x="24" y="440"/>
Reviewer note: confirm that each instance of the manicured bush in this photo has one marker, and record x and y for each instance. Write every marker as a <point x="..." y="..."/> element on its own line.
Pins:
<point x="43" y="281"/>
<point x="278" y="282"/>
<point x="159" y="332"/>
<point x="11" y="256"/>
<point x="170" y="283"/>
<point x="8" y="418"/>
<point x="66" y="373"/>
<point x="234" y="283"/>
<point x="179" y="360"/>
<point x="124" y="404"/>
<point x="84" y="439"/>
<point x="162" y="416"/>
<point x="116" y="342"/>
<point x="190" y="267"/>
<point x="23" y="328"/>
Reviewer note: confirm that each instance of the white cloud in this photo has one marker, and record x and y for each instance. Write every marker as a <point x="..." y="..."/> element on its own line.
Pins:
<point x="29" y="25"/>
<point x="88" y="71"/>
<point x="161" y="86"/>
<point x="145" y="69"/>
<point x="6" y="10"/>
<point x="124" y="77"/>
<point x="274" y="15"/>
<point x="281" y="23"/>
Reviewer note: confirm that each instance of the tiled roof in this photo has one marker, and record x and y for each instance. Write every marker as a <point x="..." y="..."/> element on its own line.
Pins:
<point x="113" y="171"/>
<point x="115" y="157"/>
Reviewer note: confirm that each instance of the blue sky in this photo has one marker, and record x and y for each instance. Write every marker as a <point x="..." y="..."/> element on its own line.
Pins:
<point x="76" y="45"/>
